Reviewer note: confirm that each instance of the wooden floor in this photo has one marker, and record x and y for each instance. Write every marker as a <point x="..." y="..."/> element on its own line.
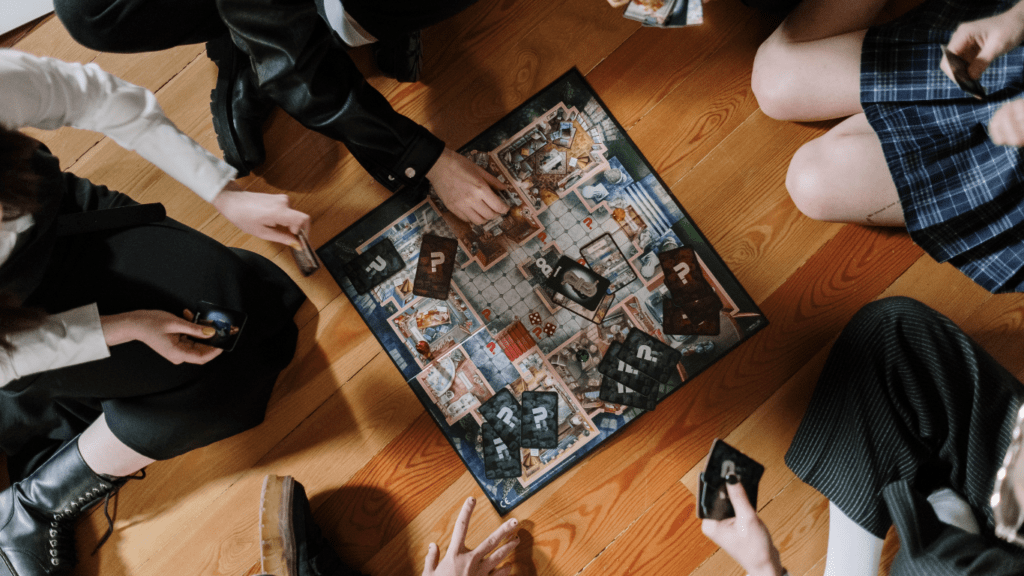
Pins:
<point x="382" y="479"/>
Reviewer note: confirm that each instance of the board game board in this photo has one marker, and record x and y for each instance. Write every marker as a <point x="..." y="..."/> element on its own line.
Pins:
<point x="578" y="187"/>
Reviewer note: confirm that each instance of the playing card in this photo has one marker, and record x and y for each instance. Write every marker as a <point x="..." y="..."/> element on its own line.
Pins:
<point x="505" y="414"/>
<point x="605" y="259"/>
<point x="683" y="275"/>
<point x="435" y="266"/>
<point x="228" y="324"/>
<point x="958" y="67"/>
<point x="690" y="318"/>
<point x="540" y="420"/>
<point x="578" y="283"/>
<point x="615" y="366"/>
<point x="502" y="459"/>
<point x="380" y="262"/>
<point x="723" y="461"/>
<point x="618" y="393"/>
<point x="650" y="355"/>
<point x="304" y="256"/>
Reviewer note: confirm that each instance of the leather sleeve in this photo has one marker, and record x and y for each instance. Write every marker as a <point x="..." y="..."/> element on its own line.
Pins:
<point x="300" y="66"/>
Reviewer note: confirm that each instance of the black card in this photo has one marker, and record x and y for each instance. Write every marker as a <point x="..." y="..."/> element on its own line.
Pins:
<point x="650" y="355"/>
<point x="683" y="275"/>
<point x="435" y="266"/>
<point x="228" y="324"/>
<point x="618" y="393"/>
<point x="958" y="66"/>
<point x="689" y="318"/>
<point x="615" y="366"/>
<point x="501" y="459"/>
<point x="380" y="262"/>
<point x="578" y="283"/>
<point x="504" y="414"/>
<point x="723" y="461"/>
<point x="540" y="420"/>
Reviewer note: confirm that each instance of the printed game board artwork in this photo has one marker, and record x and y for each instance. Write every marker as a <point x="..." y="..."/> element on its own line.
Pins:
<point x="512" y="351"/>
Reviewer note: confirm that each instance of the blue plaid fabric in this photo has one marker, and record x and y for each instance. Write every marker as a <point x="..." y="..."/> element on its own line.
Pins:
<point x="962" y="196"/>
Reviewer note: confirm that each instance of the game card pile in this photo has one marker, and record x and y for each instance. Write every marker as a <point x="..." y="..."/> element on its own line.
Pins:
<point x="693" y="307"/>
<point x="633" y="370"/>
<point x="666" y="13"/>
<point x="508" y="427"/>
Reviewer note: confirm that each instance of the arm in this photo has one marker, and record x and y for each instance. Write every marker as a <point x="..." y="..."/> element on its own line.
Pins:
<point x="462" y="561"/>
<point x="982" y="41"/>
<point x="47" y="93"/>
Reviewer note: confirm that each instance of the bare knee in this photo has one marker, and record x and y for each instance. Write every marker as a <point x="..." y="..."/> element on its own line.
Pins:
<point x="773" y="80"/>
<point x="808" y="181"/>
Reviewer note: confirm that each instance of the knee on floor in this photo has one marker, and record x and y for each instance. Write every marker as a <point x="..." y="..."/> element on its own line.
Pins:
<point x="772" y="81"/>
<point x="809" y="181"/>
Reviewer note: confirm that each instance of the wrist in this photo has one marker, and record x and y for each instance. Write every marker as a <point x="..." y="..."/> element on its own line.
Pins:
<point x="117" y="328"/>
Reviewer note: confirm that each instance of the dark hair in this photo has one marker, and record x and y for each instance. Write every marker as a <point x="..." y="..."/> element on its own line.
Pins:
<point x="19" y="187"/>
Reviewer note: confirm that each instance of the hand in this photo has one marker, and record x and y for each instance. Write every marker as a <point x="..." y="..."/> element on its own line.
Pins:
<point x="265" y="216"/>
<point x="163" y="332"/>
<point x="982" y="41"/>
<point x="461" y="561"/>
<point x="465" y="188"/>
<point x="1006" y="127"/>
<point x="745" y="537"/>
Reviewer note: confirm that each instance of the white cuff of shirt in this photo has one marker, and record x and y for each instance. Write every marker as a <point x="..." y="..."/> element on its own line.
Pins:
<point x="192" y="165"/>
<point x="64" y="339"/>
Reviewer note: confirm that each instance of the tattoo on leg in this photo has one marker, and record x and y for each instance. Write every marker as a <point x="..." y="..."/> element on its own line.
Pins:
<point x="869" y="218"/>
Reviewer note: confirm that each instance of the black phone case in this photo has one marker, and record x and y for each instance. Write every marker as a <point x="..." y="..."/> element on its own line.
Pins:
<point x="723" y="460"/>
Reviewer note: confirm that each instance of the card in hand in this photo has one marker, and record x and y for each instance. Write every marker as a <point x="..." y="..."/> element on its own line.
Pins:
<point x="616" y="366"/>
<point x="435" y="267"/>
<point x="304" y="256"/>
<point x="650" y="355"/>
<point x="228" y="324"/>
<point x="540" y="420"/>
<point x="505" y="415"/>
<point x="501" y="459"/>
<point x="618" y="393"/>
<point x="380" y="262"/>
<point x="723" y="461"/>
<point x="959" y="67"/>
<point x="578" y="283"/>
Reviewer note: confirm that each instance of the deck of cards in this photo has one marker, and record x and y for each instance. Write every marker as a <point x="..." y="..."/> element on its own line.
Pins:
<point x="509" y="426"/>
<point x="693" y="307"/>
<point x="666" y="13"/>
<point x="634" y="369"/>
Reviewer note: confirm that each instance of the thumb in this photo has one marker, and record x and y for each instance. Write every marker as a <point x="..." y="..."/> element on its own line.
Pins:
<point x="182" y="326"/>
<point x="740" y="502"/>
<point x="431" y="561"/>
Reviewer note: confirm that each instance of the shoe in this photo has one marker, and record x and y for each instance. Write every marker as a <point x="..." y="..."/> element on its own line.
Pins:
<point x="38" y="514"/>
<point x="239" y="108"/>
<point x="291" y="543"/>
<point x="400" y="58"/>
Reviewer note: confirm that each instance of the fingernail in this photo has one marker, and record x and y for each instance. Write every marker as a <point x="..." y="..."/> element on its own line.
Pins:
<point x="472" y="500"/>
<point x="209" y="330"/>
<point x="295" y="245"/>
<point x="514" y="522"/>
<point x="732" y="478"/>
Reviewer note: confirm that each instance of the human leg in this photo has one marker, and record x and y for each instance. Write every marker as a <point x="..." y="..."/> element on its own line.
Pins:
<point x="852" y="550"/>
<point x="104" y="453"/>
<point x="843" y="177"/>
<point x="139" y="25"/>
<point x="809" y="68"/>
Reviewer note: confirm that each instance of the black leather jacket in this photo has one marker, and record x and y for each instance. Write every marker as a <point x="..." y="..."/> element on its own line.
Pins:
<point x="309" y="75"/>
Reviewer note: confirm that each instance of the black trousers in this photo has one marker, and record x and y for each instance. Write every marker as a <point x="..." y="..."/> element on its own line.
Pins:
<point x="907" y="404"/>
<point x="157" y="408"/>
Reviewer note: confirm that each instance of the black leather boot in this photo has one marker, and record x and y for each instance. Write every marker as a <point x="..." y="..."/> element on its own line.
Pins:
<point x="400" y="58"/>
<point x="38" y="514"/>
<point x="291" y="543"/>
<point x="239" y="108"/>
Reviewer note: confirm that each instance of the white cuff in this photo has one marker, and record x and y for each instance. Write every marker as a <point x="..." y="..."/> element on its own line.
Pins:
<point x="64" y="339"/>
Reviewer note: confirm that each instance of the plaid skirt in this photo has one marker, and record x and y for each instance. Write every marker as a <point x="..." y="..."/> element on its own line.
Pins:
<point x="962" y="195"/>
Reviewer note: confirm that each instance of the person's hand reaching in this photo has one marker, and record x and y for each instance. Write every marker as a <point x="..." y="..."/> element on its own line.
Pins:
<point x="466" y="189"/>
<point x="744" y="537"/>
<point x="982" y="41"/>
<point x="481" y="561"/>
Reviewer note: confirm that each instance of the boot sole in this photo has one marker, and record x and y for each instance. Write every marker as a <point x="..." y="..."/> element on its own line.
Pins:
<point x="277" y="535"/>
<point x="220" y="52"/>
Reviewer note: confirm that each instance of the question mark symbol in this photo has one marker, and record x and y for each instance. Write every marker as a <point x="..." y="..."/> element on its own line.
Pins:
<point x="506" y="416"/>
<point x="501" y="448"/>
<point x="588" y="222"/>
<point x="436" y="259"/>
<point x="644" y="353"/>
<point x="378" y="264"/>
<point x="682" y="269"/>
<point x="540" y="417"/>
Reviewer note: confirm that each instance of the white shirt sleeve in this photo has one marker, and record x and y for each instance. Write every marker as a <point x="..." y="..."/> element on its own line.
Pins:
<point x="48" y="94"/>
<point x="64" y="339"/>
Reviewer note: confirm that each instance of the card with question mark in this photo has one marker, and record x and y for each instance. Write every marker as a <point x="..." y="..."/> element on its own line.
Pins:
<point x="378" y="263"/>
<point x="502" y="459"/>
<point x="724" y="461"/>
<point x="505" y="414"/>
<point x="540" y="420"/>
<point x="683" y="275"/>
<point x="435" y="267"/>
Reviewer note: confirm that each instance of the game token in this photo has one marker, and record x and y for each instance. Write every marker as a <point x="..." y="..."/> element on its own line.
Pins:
<point x="650" y="355"/>
<point x="540" y="420"/>
<point x="580" y="284"/>
<point x="504" y="413"/>
<point x="535" y="318"/>
<point x="502" y="459"/>
<point x="435" y="267"/>
<point x="380" y="262"/>
<point x="618" y="393"/>
<point x="615" y="367"/>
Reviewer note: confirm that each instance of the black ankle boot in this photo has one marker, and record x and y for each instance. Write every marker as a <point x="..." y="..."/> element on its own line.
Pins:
<point x="38" y="514"/>
<point x="400" y="58"/>
<point x="291" y="543"/>
<point x="239" y="108"/>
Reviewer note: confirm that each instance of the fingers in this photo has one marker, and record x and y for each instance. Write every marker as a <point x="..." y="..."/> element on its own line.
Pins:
<point x="499" y="555"/>
<point x="275" y="235"/>
<point x="188" y="314"/>
<point x="740" y="502"/>
<point x="1007" y="125"/>
<point x="505" y="571"/>
<point x="295" y="220"/>
<point x="461" y="527"/>
<point x="495" y="204"/>
<point x="430" y="563"/>
<point x="496" y="537"/>
<point x="175" y="325"/>
<point x="196" y="353"/>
